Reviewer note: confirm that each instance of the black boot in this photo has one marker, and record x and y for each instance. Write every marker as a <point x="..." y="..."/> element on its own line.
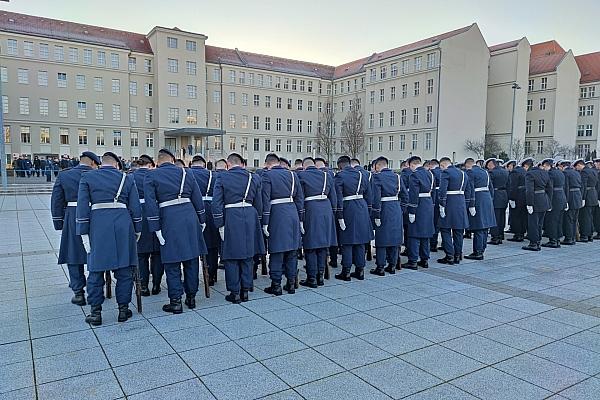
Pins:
<point x="516" y="238"/>
<point x="359" y="273"/>
<point x="310" y="282"/>
<point x="474" y="256"/>
<point x="190" y="301"/>
<point x="457" y="259"/>
<point x="568" y="242"/>
<point x="320" y="280"/>
<point x="234" y="298"/>
<point x="344" y="275"/>
<point x="495" y="241"/>
<point x="290" y="286"/>
<point x="174" y="306"/>
<point x="156" y="289"/>
<point x="124" y="313"/>
<point x="390" y="269"/>
<point x="379" y="271"/>
<point x="244" y="296"/>
<point x="95" y="317"/>
<point x="275" y="289"/>
<point x="79" y="298"/>
<point x="423" y="264"/>
<point x="145" y="291"/>
<point x="532" y="247"/>
<point x="410" y="265"/>
<point x="448" y="260"/>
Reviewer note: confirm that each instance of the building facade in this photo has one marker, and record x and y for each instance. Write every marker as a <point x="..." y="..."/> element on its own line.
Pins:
<point x="588" y="118"/>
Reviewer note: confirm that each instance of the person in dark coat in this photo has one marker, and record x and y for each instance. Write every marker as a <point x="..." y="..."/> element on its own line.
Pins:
<point x="553" y="220"/>
<point x="516" y="201"/>
<point x="389" y="197"/>
<point x="37" y="166"/>
<point x="455" y="189"/>
<point x="596" y="215"/>
<point x="434" y="167"/>
<point x="282" y="216"/>
<point x="353" y="193"/>
<point x="499" y="178"/>
<point x="589" y="183"/>
<point x="368" y="175"/>
<point x="175" y="213"/>
<point x="109" y="221"/>
<point x="421" y="189"/>
<point x="405" y="172"/>
<point x="481" y="216"/>
<point x="148" y="246"/>
<point x="538" y="195"/>
<point x="63" y="205"/>
<point x="574" y="202"/>
<point x="319" y="222"/>
<point x="236" y="208"/>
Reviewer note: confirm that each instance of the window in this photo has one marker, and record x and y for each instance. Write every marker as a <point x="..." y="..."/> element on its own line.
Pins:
<point x="218" y="143"/>
<point x="309" y="126"/>
<point x="415" y="141"/>
<point x="298" y="146"/>
<point x="133" y="88"/>
<point x="392" y="118"/>
<point x="583" y="150"/>
<point x="101" y="58"/>
<point x="149" y="115"/>
<point x="381" y="95"/>
<point x="380" y="143"/>
<point x="191" y="116"/>
<point x="59" y="53"/>
<point x="390" y="143"/>
<point x="251" y="78"/>
<point x="244" y="99"/>
<point x="190" y="66"/>
<point x="299" y="126"/>
<point x="63" y="108"/>
<point x="4" y="104"/>
<point x="267" y="144"/>
<point x="256" y="100"/>
<point x="540" y="146"/>
<point x="430" y="60"/>
<point x="427" y="140"/>
<point x="82" y="136"/>
<point x="63" y="134"/>
<point x="147" y="65"/>
<point x="117" y="138"/>
<point x="42" y="78"/>
<point x="581" y="111"/>
<point x="415" y="115"/>
<point x="589" y="130"/>
<point x="232" y="143"/>
<point x="256" y="122"/>
<point x="580" y="130"/>
<point x="381" y="120"/>
<point x="44" y="51"/>
<point x="418" y="63"/>
<point x="371" y="120"/>
<point x="589" y="110"/>
<point x="372" y="97"/>
<point x="242" y="78"/>
<point x="174" y="90"/>
<point x="149" y="139"/>
<point x="429" y="114"/>
<point x="173" y="115"/>
<point x="148" y="89"/>
<point x="24" y="105"/>
<point x="25" y="134"/>
<point x="278" y="124"/>
<point x="244" y="122"/>
<point x="267" y="101"/>
<point x="172" y="65"/>
<point x="4" y="74"/>
<point x="267" y="123"/>
<point x="289" y="125"/>
<point x="171" y="42"/>
<point x="116" y="112"/>
<point x="393" y="93"/>
<point x="383" y="72"/>
<point x="114" y="60"/>
<point x="542" y="103"/>
<point x="73" y="55"/>
<point x="300" y="105"/>
<point x="402" y="117"/>
<point x="190" y="45"/>
<point x="294" y="84"/>
<point x="393" y="71"/>
<point x="98" y="84"/>
<point x="99" y="110"/>
<point x="81" y="109"/>
<point x="260" y="80"/>
<point x="429" y="86"/>
<point x="541" y="126"/>
<point x="417" y="87"/>
<point x="116" y="85"/>
<point x="133" y="114"/>
<point x="80" y="82"/>
<point x="232" y="76"/>
<point x="44" y="107"/>
<point x="527" y="126"/>
<point x="342" y="106"/>
<point x="310" y="87"/>
<point x="544" y="84"/>
<point x="11" y="47"/>
<point x="289" y="104"/>
<point x="87" y="56"/>
<point x="131" y="64"/>
<point x="192" y="91"/>
<point x="61" y="81"/>
<point x="373" y="76"/>
<point x="402" y="142"/>
<point x="288" y="146"/>
<point x="405" y="67"/>
<point x="404" y="90"/>
<point x="134" y="138"/>
<point x="99" y="137"/>
<point x="529" y="104"/>
<point x="370" y="143"/>
<point x="530" y="85"/>
<point x="232" y="121"/>
<point x="23" y="76"/>
<point x="44" y="135"/>
<point x="216" y="75"/>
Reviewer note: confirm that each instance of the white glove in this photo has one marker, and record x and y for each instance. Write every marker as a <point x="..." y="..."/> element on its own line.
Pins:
<point x="549" y="209"/>
<point x="567" y="207"/>
<point x="342" y="224"/>
<point x="138" y="235"/>
<point x="160" y="237"/>
<point x="472" y="211"/>
<point x="222" y="233"/>
<point x="266" y="230"/>
<point x="377" y="222"/>
<point x="582" y="203"/>
<point x="512" y="204"/>
<point x="86" y="243"/>
<point x="302" y="228"/>
<point x="530" y="209"/>
<point x="412" y="218"/>
<point x="442" y="212"/>
<point x="203" y="227"/>
<point x="598" y="203"/>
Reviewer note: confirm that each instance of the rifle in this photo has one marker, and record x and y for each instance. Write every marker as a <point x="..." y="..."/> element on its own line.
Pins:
<point x="108" y="279"/>
<point x="204" y="266"/>
<point x="138" y="288"/>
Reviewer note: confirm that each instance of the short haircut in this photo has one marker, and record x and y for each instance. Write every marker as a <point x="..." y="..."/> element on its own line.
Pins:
<point x="298" y="161"/>
<point x="234" y="159"/>
<point x="381" y="161"/>
<point x="221" y="163"/>
<point x="272" y="158"/>
<point x="308" y="161"/>
<point x="343" y="161"/>
<point x="445" y="159"/>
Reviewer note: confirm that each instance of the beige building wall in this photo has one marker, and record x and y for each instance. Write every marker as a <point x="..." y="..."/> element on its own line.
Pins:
<point x="567" y="100"/>
<point x="588" y="119"/>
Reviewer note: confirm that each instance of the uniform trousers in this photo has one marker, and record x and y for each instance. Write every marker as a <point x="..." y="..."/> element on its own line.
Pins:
<point x="388" y="253"/>
<point x="553" y="224"/>
<point x="238" y="275"/>
<point x="585" y="221"/>
<point x="497" y="231"/>
<point x="123" y="286"/>
<point x="76" y="277"/>
<point x="597" y="219"/>
<point x="212" y="259"/>
<point x="452" y="241"/>
<point x="519" y="220"/>
<point x="418" y="248"/>
<point x="353" y="254"/>
<point x="479" y="240"/>
<point x="535" y="223"/>
<point x="570" y="224"/>
<point x="150" y="263"/>
<point x="315" y="261"/>
<point x="285" y="262"/>
<point x="190" y="284"/>
<point x="333" y="253"/>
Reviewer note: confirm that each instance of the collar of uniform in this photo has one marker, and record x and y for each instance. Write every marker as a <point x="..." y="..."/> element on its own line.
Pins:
<point x="235" y="167"/>
<point x="347" y="167"/>
<point x="167" y="164"/>
<point x="310" y="167"/>
<point x="197" y="167"/>
<point x="83" y="166"/>
<point x="277" y="167"/>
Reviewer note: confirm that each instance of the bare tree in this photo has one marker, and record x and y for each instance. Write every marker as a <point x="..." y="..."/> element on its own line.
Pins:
<point x="476" y="147"/>
<point x="353" y="131"/>
<point x="518" y="150"/>
<point x="325" y="134"/>
<point x="492" y="147"/>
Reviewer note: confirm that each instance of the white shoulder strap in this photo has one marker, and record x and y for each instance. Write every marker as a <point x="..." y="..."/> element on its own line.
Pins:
<point x="463" y="180"/>
<point x="359" y="182"/>
<point x="247" y="187"/>
<point x="399" y="183"/>
<point x="120" y="187"/>
<point x="324" y="183"/>
<point x="293" y="184"/>
<point x="182" y="182"/>
<point x="209" y="181"/>
<point x="432" y="181"/>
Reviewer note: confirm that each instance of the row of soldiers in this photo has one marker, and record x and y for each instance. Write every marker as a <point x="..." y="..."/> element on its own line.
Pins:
<point x="164" y="216"/>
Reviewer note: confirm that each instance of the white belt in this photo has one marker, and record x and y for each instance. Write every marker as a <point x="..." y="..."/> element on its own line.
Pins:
<point x="455" y="192"/>
<point x="72" y="204"/>
<point x="174" y="202"/>
<point x="142" y="201"/>
<point x="539" y="191"/>
<point x="424" y="194"/>
<point x="316" y="197"/>
<point x="282" y="201"/>
<point x="482" y="189"/>
<point x="114" y="204"/>
<point x="353" y="197"/>
<point x="437" y="188"/>
<point x="238" y="205"/>
<point x="558" y="189"/>
<point x="207" y="198"/>
<point x="389" y="198"/>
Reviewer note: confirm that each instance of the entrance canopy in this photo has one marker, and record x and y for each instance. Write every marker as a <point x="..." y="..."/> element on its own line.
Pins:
<point x="194" y="132"/>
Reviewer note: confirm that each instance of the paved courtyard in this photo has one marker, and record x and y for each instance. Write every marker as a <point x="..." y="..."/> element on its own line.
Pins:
<point x="518" y="325"/>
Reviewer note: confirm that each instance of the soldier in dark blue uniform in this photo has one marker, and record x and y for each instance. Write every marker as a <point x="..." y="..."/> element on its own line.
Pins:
<point x="516" y="201"/>
<point x="282" y="216"/>
<point x="148" y="246"/>
<point x="405" y="172"/>
<point x="455" y="189"/>
<point x="421" y="189"/>
<point x="499" y="178"/>
<point x="389" y="196"/>
<point x="63" y="204"/>
<point x="353" y="193"/>
<point x="206" y="182"/>
<point x="355" y="163"/>
<point x="553" y="220"/>
<point x="434" y="167"/>
<point x="319" y="222"/>
<point x="589" y="184"/>
<point x="596" y="216"/>
<point x="574" y="202"/>
<point x="236" y="208"/>
<point x="481" y="217"/>
<point x="538" y="195"/>
<point x="175" y="213"/>
<point x="109" y="220"/>
<point x="322" y="165"/>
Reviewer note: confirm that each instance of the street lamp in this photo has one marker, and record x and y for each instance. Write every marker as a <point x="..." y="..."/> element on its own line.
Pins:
<point x="515" y="86"/>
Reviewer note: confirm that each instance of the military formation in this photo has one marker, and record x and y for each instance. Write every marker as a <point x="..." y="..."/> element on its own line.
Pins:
<point x="164" y="217"/>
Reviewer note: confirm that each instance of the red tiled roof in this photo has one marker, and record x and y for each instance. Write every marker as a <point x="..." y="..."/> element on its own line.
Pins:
<point x="589" y="66"/>
<point x="546" y="48"/>
<point x="503" y="46"/>
<point x="545" y="57"/>
<point x="71" y="31"/>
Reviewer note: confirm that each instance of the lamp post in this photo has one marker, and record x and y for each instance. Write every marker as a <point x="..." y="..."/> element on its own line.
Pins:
<point x="515" y="86"/>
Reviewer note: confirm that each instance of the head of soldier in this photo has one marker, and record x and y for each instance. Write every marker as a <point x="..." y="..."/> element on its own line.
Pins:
<point x="343" y="162"/>
<point x="298" y="163"/>
<point x="354" y="162"/>
<point x="180" y="163"/>
<point x="89" y="159"/>
<point x="320" y="163"/>
<point x="198" y="161"/>
<point x="308" y="162"/>
<point x="164" y="157"/>
<point x="527" y="164"/>
<point x="490" y="163"/>
<point x="234" y="160"/>
<point x="109" y="160"/>
<point x="433" y="163"/>
<point x="380" y="163"/>
<point x="547" y="164"/>
<point x="283" y="162"/>
<point x="145" y="161"/>
<point x="445" y="162"/>
<point x="221" y="165"/>
<point x="564" y="164"/>
<point x="272" y="160"/>
<point x="414" y="162"/>
<point x="469" y="163"/>
<point x="579" y="165"/>
<point x="597" y="163"/>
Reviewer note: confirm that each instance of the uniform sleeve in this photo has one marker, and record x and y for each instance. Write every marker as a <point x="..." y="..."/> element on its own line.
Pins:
<point x="339" y="192"/>
<point x="413" y="193"/>
<point x="57" y="205"/>
<point x="529" y="189"/>
<point x="550" y="190"/>
<point x="566" y="187"/>
<point x="265" y="194"/>
<point x="332" y="195"/>
<point x="218" y="203"/>
<point x="133" y="205"/>
<point x="258" y="202"/>
<point x="491" y="186"/>
<point x="403" y="194"/>
<point x="443" y="188"/>
<point x="376" y="195"/>
<point x="84" y="209"/>
<point x="368" y="195"/>
<point x="299" y="197"/>
<point x="151" y="206"/>
<point x="469" y="192"/>
<point x="196" y="198"/>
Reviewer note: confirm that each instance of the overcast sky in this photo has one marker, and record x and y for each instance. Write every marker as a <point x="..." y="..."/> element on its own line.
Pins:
<point x="335" y="31"/>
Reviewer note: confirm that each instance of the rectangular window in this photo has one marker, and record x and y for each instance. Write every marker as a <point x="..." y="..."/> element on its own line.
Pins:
<point x="251" y="79"/>
<point x="191" y="116"/>
<point x="148" y="89"/>
<point x="544" y="84"/>
<point x="190" y="45"/>
<point x="402" y="142"/>
<point x="289" y="125"/>
<point x="393" y="93"/>
<point x="59" y="53"/>
<point x="4" y="104"/>
<point x="430" y="60"/>
<point x="418" y="63"/>
<point x="61" y="80"/>
<point x="190" y="67"/>
<point x="527" y="126"/>
<point x="288" y="146"/>
<point x="256" y="122"/>
<point x="217" y="120"/>
<point x="298" y="146"/>
<point x="116" y="112"/>
<point x="81" y="109"/>
<point x="542" y="103"/>
<point x="133" y="114"/>
<point x="256" y="144"/>
<point x="63" y="108"/>
<point x="380" y="143"/>
<point x="42" y="78"/>
<point x="216" y="75"/>
<point x="372" y="97"/>
<point x="290" y="104"/>
<point x="44" y="107"/>
<point x="24" y="105"/>
<point x="580" y="130"/>
<point x="232" y="143"/>
<point x="98" y="84"/>
<point x="390" y="143"/>
<point x="373" y="75"/>
<point x="101" y="58"/>
<point x="415" y="115"/>
<point x="232" y="76"/>
<point x="278" y="145"/>
<point x="99" y="137"/>
<point x="260" y="80"/>
<point x="149" y="115"/>
<point x="171" y="42"/>
<point x="173" y="115"/>
<point x="133" y="88"/>
<point x="383" y="72"/>
<point x="44" y="135"/>
<point x="427" y="140"/>
<point x="541" y="126"/>
<point x="394" y="70"/>
<point x="4" y="74"/>
<point x="381" y="120"/>
<point x="278" y="124"/>
<point x="44" y="51"/>
<point x="402" y="117"/>
<point x="392" y="118"/>
<point x="256" y="100"/>
<point x="294" y="84"/>
<point x="23" y="76"/>
<point x="242" y="78"/>
<point x="267" y="144"/>
<point x="114" y="60"/>
<point x="267" y="101"/>
<point x="299" y="126"/>
<point x="415" y="141"/>
<point x="540" y="147"/>
<point x="116" y="85"/>
<point x="99" y="110"/>
<point x="417" y="87"/>
<point x="244" y="99"/>
<point x="244" y="122"/>
<point x="232" y="121"/>
<point x="309" y="126"/>
<point x="117" y="138"/>
<point x="80" y="82"/>
<point x="429" y="114"/>
<point x="25" y="134"/>
<point x="192" y="91"/>
<point x="147" y="65"/>
<point x="267" y="123"/>
<point x="589" y="130"/>
<point x="405" y="67"/>
<point x="529" y="104"/>
<point x="589" y="110"/>
<point x="404" y="90"/>
<point x="370" y="143"/>
<point x="300" y="105"/>
<point x="381" y="95"/>
<point x="87" y="56"/>
<point x="131" y="64"/>
<point x="63" y="134"/>
<point x="149" y="139"/>
<point x="172" y="65"/>
<point x="134" y="139"/>
<point x="530" y="85"/>
<point x="73" y="55"/>
<point x="82" y="136"/>
<point x="11" y="47"/>
<point x="429" y="86"/>
<point x="174" y="89"/>
<point x="371" y="120"/>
